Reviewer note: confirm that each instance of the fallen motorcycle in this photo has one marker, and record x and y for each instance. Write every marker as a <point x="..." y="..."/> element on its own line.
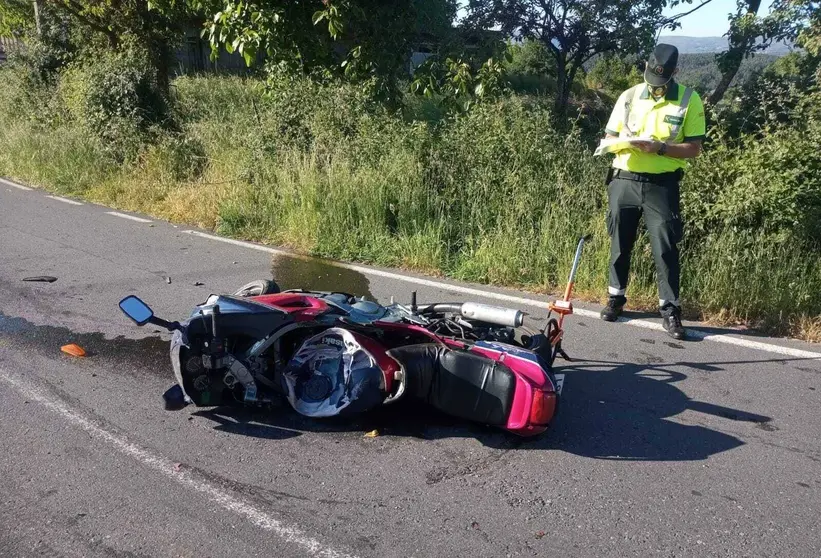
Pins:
<point x="332" y="354"/>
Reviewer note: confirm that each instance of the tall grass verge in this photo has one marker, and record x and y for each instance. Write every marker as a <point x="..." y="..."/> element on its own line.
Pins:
<point x="493" y="196"/>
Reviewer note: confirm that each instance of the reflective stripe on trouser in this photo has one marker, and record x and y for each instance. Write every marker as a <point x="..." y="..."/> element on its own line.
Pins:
<point x="659" y="203"/>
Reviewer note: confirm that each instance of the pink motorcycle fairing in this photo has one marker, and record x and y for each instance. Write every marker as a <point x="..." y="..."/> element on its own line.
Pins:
<point x="535" y="398"/>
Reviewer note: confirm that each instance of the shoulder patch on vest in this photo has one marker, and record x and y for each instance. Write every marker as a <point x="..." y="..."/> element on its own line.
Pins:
<point x="672" y="119"/>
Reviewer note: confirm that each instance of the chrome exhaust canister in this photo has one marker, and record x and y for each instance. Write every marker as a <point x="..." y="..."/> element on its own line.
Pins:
<point x="492" y="314"/>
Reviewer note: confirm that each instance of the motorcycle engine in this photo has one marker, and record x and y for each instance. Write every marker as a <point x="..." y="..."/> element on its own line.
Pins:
<point x="498" y="334"/>
<point x="205" y="386"/>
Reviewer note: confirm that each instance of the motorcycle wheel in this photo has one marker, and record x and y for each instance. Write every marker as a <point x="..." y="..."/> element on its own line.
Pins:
<point x="258" y="288"/>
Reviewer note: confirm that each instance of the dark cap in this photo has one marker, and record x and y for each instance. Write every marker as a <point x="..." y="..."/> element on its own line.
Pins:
<point x="661" y="65"/>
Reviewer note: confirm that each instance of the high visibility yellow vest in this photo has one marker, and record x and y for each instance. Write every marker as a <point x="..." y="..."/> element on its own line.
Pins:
<point x="676" y="118"/>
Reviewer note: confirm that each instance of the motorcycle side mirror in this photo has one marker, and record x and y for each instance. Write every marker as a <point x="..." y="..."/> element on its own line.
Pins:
<point x="136" y="309"/>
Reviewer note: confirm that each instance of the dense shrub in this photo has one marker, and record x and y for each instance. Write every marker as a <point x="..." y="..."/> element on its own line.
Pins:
<point x="614" y="74"/>
<point x="117" y="99"/>
<point x="784" y="95"/>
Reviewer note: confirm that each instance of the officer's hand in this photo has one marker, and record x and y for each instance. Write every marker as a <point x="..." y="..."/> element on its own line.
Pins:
<point x="648" y="146"/>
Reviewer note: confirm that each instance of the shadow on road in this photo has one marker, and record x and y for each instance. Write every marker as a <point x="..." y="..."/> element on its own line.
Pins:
<point x="622" y="411"/>
<point x="610" y="410"/>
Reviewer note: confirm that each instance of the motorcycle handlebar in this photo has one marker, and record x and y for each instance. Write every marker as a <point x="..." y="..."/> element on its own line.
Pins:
<point x="170" y="326"/>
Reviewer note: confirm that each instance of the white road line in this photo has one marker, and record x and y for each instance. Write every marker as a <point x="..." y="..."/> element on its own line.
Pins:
<point x="124" y="216"/>
<point x="14" y="185"/>
<point x="165" y="466"/>
<point x="718" y="338"/>
<point x="65" y="200"/>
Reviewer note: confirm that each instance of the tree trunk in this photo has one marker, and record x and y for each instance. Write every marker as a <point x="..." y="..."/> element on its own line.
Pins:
<point x="562" y="91"/>
<point x="38" y="9"/>
<point x="726" y="79"/>
<point x="739" y="46"/>
<point x="162" y="63"/>
<point x="156" y="45"/>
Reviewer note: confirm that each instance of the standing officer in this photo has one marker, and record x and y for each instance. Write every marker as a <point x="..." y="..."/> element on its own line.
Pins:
<point x="645" y="179"/>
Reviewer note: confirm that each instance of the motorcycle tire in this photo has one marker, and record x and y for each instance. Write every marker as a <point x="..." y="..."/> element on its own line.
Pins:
<point x="258" y="288"/>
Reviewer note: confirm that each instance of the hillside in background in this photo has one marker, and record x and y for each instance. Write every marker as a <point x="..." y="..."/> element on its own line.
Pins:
<point x="710" y="45"/>
<point x="700" y="71"/>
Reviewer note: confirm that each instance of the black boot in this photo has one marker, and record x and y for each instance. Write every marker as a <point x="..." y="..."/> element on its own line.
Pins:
<point x="672" y="323"/>
<point x="612" y="311"/>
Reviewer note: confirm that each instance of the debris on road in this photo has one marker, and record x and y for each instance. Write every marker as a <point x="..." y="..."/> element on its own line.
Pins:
<point x="372" y="434"/>
<point x="178" y="467"/>
<point x="73" y="350"/>
<point x="41" y="279"/>
<point x="168" y="280"/>
<point x="198" y="284"/>
<point x="540" y="534"/>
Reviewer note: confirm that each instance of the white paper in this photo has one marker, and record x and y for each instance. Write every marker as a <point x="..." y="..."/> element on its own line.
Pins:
<point x="613" y="145"/>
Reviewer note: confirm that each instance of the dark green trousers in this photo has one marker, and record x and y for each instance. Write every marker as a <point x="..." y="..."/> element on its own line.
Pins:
<point x="658" y="199"/>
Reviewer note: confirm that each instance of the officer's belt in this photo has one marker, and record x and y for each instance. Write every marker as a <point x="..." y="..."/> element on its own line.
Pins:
<point x="649" y="176"/>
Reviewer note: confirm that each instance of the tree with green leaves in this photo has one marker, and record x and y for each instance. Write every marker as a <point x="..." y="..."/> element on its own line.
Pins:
<point x="795" y="21"/>
<point x="614" y="74"/>
<point x="798" y="21"/>
<point x="368" y="40"/>
<point x="16" y="17"/>
<point x="573" y="31"/>
<point x="745" y="34"/>
<point x="151" y="26"/>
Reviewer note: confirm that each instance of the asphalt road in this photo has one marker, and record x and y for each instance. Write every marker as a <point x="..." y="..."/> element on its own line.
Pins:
<point x="662" y="448"/>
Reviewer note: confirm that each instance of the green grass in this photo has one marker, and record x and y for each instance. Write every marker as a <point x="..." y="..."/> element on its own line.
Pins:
<point x="494" y="197"/>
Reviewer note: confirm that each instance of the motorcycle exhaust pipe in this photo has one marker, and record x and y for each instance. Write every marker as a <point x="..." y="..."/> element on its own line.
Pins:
<point x="486" y="313"/>
<point x="493" y="314"/>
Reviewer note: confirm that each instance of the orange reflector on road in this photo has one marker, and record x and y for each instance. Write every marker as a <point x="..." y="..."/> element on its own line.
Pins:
<point x="73" y="350"/>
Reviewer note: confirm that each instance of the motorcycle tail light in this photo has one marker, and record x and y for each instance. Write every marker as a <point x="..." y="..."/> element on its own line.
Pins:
<point x="542" y="408"/>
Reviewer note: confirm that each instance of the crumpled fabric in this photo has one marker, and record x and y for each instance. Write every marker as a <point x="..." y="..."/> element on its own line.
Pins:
<point x="332" y="374"/>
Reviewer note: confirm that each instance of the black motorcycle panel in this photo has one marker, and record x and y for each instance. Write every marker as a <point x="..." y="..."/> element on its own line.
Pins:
<point x="239" y="318"/>
<point x="459" y="383"/>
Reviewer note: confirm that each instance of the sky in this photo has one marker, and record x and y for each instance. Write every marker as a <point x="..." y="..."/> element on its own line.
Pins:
<point x="709" y="21"/>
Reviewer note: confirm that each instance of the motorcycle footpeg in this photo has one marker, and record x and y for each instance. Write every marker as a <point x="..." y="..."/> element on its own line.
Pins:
<point x="174" y="399"/>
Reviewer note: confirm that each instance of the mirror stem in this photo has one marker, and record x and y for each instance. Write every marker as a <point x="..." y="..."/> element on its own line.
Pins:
<point x="170" y="326"/>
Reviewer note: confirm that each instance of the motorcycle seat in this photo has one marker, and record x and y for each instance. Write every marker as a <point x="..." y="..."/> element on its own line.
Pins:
<point x="460" y="383"/>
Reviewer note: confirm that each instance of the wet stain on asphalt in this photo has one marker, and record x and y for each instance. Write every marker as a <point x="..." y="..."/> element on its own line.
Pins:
<point x="266" y="494"/>
<point x="149" y="354"/>
<point x="812" y="456"/>
<point x="766" y="426"/>
<point x="648" y="341"/>
<point x="319" y="275"/>
<point x="109" y="552"/>
<point x="461" y="466"/>
<point x="647" y="358"/>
